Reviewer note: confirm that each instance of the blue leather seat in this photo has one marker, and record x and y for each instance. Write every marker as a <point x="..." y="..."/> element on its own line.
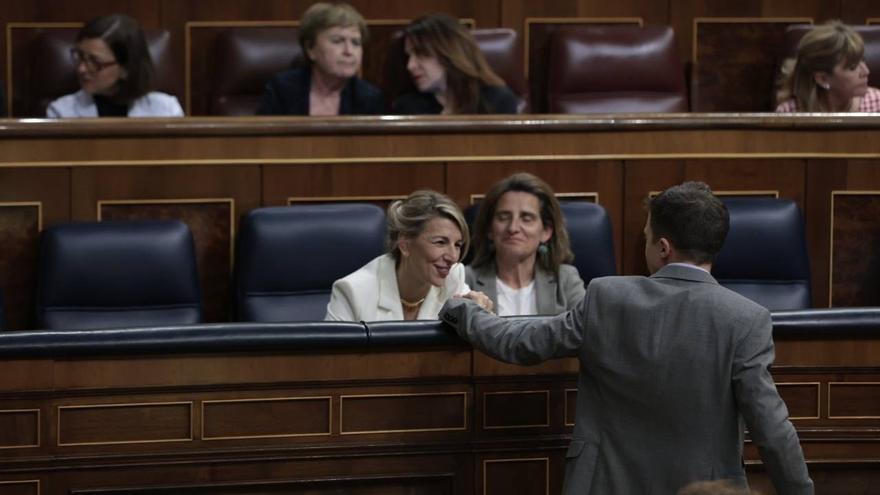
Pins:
<point x="765" y="255"/>
<point x="289" y="256"/>
<point x="117" y="274"/>
<point x="589" y="232"/>
<point x="592" y="242"/>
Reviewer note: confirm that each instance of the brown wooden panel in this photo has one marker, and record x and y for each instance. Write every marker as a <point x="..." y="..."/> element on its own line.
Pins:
<point x="854" y="400"/>
<point x="517" y="475"/>
<point x="124" y="423"/>
<point x="46" y="197"/>
<point x="348" y="180"/>
<point x="270" y="417"/>
<point x="802" y="399"/>
<point x="372" y="485"/>
<point x="487" y="366"/>
<point x="735" y="63"/>
<point x="539" y="32"/>
<point x="24" y="487"/>
<point x="393" y="413"/>
<point x="855" y="248"/>
<point x="516" y="409"/>
<point x="19" y="238"/>
<point x="19" y="428"/>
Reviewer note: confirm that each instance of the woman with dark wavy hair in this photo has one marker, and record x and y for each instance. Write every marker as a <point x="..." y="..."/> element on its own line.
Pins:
<point x="450" y="72"/>
<point x="522" y="249"/>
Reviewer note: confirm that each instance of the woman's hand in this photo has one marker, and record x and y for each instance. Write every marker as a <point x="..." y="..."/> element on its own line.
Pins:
<point x="481" y="299"/>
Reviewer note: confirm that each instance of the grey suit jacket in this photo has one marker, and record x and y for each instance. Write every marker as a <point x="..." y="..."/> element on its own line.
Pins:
<point x="671" y="365"/>
<point x="555" y="294"/>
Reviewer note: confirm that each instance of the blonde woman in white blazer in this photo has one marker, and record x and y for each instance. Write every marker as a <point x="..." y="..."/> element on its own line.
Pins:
<point x="427" y="236"/>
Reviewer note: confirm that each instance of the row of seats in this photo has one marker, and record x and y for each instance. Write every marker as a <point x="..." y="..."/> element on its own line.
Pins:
<point x="124" y="274"/>
<point x="591" y="69"/>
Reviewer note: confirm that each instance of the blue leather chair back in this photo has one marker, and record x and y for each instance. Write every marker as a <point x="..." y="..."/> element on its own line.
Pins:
<point x="589" y="230"/>
<point x="592" y="242"/>
<point x="765" y="255"/>
<point x="289" y="257"/>
<point x="117" y="274"/>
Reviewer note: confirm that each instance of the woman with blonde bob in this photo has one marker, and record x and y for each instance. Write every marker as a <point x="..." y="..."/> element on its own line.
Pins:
<point x="829" y="73"/>
<point x="522" y="249"/>
<point x="331" y="36"/>
<point x="426" y="238"/>
<point x="450" y="72"/>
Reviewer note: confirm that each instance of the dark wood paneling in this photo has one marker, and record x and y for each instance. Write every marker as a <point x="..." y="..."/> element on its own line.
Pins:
<point x="373" y="485"/>
<point x="19" y="428"/>
<point x="854" y="400"/>
<point x="346" y="181"/>
<point x="735" y="65"/>
<point x="801" y="399"/>
<point x="124" y="423"/>
<point x="19" y="230"/>
<point x="403" y="413"/>
<point x="271" y="417"/>
<point x="26" y="487"/>
<point x="516" y="409"/>
<point x="526" y="476"/>
<point x="855" y="245"/>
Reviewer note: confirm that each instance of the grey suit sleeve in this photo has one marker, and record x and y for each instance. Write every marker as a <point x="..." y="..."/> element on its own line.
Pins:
<point x="765" y="412"/>
<point x="518" y="341"/>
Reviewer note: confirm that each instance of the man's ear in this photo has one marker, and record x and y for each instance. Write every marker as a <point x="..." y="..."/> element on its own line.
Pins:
<point x="665" y="248"/>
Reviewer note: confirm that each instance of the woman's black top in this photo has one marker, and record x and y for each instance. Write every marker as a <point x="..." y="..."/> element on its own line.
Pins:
<point x="493" y="99"/>
<point x="287" y="93"/>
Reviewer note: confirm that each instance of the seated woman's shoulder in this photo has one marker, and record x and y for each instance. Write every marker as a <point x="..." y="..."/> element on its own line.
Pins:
<point x="156" y="104"/>
<point x="500" y="99"/>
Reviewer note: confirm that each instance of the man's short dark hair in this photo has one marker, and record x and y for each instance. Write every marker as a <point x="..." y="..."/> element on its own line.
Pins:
<point x="692" y="218"/>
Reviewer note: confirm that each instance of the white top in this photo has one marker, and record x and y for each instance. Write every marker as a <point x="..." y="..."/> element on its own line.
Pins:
<point x="81" y="104"/>
<point x="516" y="302"/>
<point x="371" y="294"/>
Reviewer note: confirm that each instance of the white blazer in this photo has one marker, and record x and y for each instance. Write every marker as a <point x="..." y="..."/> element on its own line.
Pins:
<point x="371" y="294"/>
<point x="81" y="104"/>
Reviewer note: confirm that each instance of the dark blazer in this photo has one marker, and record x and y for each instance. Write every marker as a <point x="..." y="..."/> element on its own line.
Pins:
<point x="493" y="99"/>
<point x="287" y="93"/>
<point x="670" y="366"/>
<point x="555" y="293"/>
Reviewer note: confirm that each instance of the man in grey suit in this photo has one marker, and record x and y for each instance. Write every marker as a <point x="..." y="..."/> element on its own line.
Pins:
<point x="671" y="365"/>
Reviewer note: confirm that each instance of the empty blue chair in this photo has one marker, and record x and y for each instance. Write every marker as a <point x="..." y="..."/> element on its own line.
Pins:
<point x="117" y="274"/>
<point x="289" y="256"/>
<point x="764" y="256"/>
<point x="592" y="241"/>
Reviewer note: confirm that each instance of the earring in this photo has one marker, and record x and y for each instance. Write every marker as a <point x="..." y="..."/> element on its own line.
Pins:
<point x="825" y="86"/>
<point x="543" y="250"/>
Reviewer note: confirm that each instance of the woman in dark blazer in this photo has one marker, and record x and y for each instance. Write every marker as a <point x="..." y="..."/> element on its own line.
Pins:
<point x="521" y="249"/>
<point x="332" y="37"/>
